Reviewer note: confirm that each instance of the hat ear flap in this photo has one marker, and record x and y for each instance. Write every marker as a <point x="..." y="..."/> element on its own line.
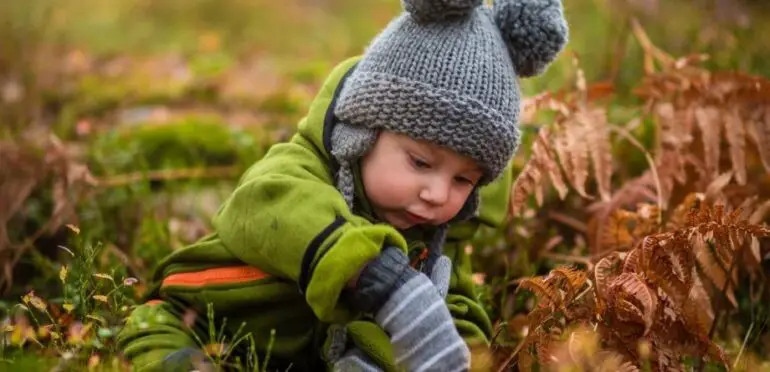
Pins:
<point x="534" y="31"/>
<point x="438" y="10"/>
<point x="471" y="207"/>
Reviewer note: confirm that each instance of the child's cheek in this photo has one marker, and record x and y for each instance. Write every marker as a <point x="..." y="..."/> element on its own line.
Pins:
<point x="454" y="206"/>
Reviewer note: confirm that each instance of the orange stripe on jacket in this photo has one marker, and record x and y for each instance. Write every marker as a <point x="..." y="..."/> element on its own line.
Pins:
<point x="218" y="275"/>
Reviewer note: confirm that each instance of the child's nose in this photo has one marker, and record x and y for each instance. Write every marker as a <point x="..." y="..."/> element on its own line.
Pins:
<point x="436" y="192"/>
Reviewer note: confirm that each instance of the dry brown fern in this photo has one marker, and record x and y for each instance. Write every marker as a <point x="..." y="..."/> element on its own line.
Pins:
<point x="24" y="168"/>
<point x="667" y="247"/>
<point x="724" y="107"/>
<point x="578" y="139"/>
<point x="705" y="122"/>
<point x="653" y="293"/>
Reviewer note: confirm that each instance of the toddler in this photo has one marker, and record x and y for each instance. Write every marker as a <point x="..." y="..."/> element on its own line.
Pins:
<point x="346" y="241"/>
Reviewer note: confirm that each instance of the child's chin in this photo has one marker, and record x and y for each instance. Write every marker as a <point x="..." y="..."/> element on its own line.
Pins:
<point x="401" y="225"/>
<point x="398" y="223"/>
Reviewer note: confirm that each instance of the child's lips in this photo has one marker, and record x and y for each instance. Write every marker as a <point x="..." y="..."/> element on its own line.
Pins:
<point x="415" y="219"/>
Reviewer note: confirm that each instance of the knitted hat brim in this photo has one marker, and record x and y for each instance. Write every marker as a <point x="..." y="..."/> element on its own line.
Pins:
<point x="446" y="118"/>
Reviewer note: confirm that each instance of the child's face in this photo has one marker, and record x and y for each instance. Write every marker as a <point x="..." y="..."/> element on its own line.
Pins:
<point x="411" y="182"/>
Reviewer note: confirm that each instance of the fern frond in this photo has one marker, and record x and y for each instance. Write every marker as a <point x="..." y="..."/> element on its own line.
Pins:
<point x="712" y="270"/>
<point x="531" y="181"/>
<point x="632" y="291"/>
<point x="544" y="292"/>
<point x="698" y="315"/>
<point x="594" y="121"/>
<point x="708" y="119"/>
<point x="528" y="181"/>
<point x="682" y="214"/>
<point x="542" y="150"/>
<point x="759" y="133"/>
<point x="605" y="271"/>
<point x="568" y="279"/>
<point x="632" y="264"/>
<point x="736" y="138"/>
<point x="574" y="148"/>
<point x="609" y="360"/>
<point x="538" y="316"/>
<point x="671" y="269"/>
<point x="616" y="234"/>
<point x="647" y="220"/>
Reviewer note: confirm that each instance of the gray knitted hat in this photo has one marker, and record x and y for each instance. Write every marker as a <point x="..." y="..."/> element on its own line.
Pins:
<point x="446" y="71"/>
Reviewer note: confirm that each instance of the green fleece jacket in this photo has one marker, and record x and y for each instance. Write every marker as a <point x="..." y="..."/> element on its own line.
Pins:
<point x="283" y="248"/>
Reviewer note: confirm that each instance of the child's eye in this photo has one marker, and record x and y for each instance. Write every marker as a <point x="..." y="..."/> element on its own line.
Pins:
<point x="418" y="163"/>
<point x="464" y="180"/>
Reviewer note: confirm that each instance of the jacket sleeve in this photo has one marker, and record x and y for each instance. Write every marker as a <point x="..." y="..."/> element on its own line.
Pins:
<point x="286" y="218"/>
<point x="151" y="333"/>
<point x="471" y="319"/>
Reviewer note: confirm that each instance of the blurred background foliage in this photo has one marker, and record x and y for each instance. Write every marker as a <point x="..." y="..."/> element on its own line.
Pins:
<point x="164" y="103"/>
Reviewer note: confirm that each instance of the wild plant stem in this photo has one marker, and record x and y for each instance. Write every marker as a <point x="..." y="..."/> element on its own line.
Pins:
<point x="513" y="355"/>
<point x="718" y="316"/>
<point x="743" y="346"/>
<point x="658" y="188"/>
<point x="169" y="175"/>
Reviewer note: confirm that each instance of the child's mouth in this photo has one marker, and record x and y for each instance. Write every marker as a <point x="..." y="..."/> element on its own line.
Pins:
<point x="415" y="219"/>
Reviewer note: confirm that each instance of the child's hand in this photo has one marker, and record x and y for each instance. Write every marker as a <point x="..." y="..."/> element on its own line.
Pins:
<point x="440" y="274"/>
<point x="407" y="304"/>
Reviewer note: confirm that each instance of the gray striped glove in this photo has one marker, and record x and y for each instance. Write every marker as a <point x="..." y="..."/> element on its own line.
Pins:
<point x="412" y="311"/>
<point x="356" y="360"/>
<point x="440" y="274"/>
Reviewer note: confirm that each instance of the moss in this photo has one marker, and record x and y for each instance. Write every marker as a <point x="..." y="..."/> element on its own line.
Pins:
<point x="185" y="142"/>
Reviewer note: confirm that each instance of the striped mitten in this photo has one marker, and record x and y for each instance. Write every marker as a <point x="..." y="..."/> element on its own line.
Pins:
<point x="356" y="360"/>
<point x="409" y="307"/>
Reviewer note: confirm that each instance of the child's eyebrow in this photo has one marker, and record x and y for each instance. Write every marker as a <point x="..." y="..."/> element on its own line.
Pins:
<point x="425" y="147"/>
<point x="474" y="170"/>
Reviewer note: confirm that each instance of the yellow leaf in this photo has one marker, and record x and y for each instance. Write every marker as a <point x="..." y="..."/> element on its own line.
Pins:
<point x="44" y="331"/>
<point x="101" y="298"/>
<point x="35" y="301"/>
<point x="97" y="318"/>
<point x="214" y="349"/>
<point x="68" y="307"/>
<point x="38" y="303"/>
<point x="17" y="337"/>
<point x="93" y="362"/>
<point x="103" y="276"/>
<point x="63" y="273"/>
<point x="74" y="228"/>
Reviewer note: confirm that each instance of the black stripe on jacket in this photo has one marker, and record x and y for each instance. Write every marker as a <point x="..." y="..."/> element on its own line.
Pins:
<point x="330" y="120"/>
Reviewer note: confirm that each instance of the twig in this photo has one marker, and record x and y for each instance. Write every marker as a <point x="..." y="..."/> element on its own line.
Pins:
<point x="630" y="138"/>
<point x="743" y="346"/>
<point x="619" y="49"/>
<point x="572" y="222"/>
<point x="650" y="50"/>
<point x="18" y="251"/>
<point x="513" y="355"/>
<point x="728" y="281"/>
<point x="521" y="344"/>
<point x="169" y="175"/>
<point x="123" y="257"/>
<point x="563" y="257"/>
<point x="498" y="332"/>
